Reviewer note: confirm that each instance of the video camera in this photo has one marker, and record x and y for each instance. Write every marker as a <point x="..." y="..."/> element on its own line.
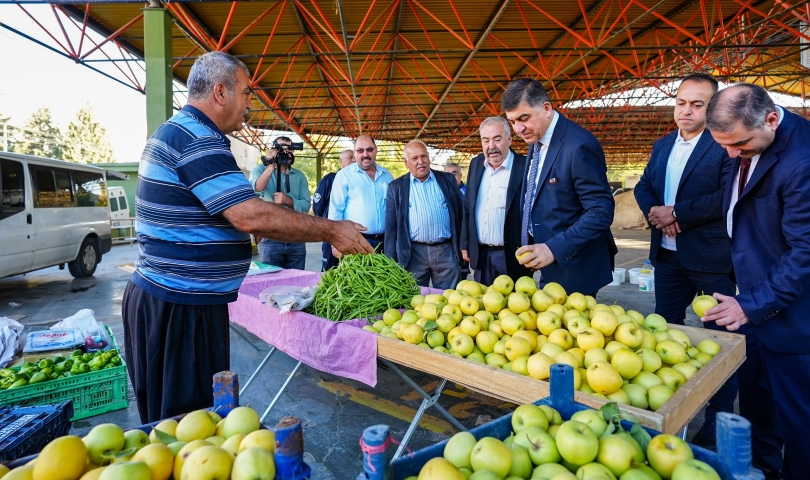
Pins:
<point x="284" y="156"/>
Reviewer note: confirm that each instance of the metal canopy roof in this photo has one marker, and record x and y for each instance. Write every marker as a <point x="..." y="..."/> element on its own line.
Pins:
<point x="432" y="70"/>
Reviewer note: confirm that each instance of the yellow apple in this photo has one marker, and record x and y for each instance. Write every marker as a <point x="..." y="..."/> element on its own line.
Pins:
<point x="562" y="338"/>
<point x="541" y="301"/>
<point x="556" y="292"/>
<point x="604" y="321"/>
<point x="470" y="326"/>
<point x="486" y="341"/>
<point x="596" y="355"/>
<point x="517" y="347"/>
<point x="590" y="338"/>
<point x="539" y="366"/>
<point x="511" y="323"/>
<point x="603" y="378"/>
<point x="469" y="305"/>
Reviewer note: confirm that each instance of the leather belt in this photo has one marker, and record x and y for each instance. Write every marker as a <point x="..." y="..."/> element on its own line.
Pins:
<point x="492" y="247"/>
<point x="376" y="236"/>
<point x="430" y="244"/>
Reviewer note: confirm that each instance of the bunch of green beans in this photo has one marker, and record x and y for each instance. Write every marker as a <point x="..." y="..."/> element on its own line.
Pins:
<point x="363" y="286"/>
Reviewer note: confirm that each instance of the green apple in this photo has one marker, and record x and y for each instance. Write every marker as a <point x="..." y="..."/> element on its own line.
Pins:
<point x="445" y="323"/>
<point x="649" y="341"/>
<point x="590" y="338"/>
<point x="637" y="395"/>
<point x="547" y="322"/>
<point x="430" y="311"/>
<point x="440" y="349"/>
<point x="452" y="310"/>
<point x="593" y="419"/>
<point x="470" y="326"/>
<point x="484" y="317"/>
<point x="687" y="370"/>
<point x="646" y="380"/>
<point x="135" y="438"/>
<point x="417" y="300"/>
<point x="577" y="301"/>
<point x="476" y="357"/>
<point x="521" y="462"/>
<point x="435" y="338"/>
<point x="695" y="363"/>
<point x="518" y="302"/>
<point x="511" y="323"/>
<point x="671" y="377"/>
<point x="619" y="396"/>
<point x="641" y="457"/>
<point x="629" y="334"/>
<point x="627" y="363"/>
<point x="495" y="359"/>
<point x="650" y="361"/>
<point x="507" y="367"/>
<point x="547" y="471"/>
<point x="703" y="358"/>
<point x="665" y="452"/>
<point x="594" y="471"/>
<point x="578" y="324"/>
<point x="493" y="301"/>
<point x="520" y="365"/>
<point x="541" y="445"/>
<point x="410" y="317"/>
<point x="703" y="303"/>
<point x="440" y="469"/>
<point x="456" y="297"/>
<point x="556" y="292"/>
<point x="541" y="301"/>
<point x="105" y="440"/>
<point x="655" y="323"/>
<point x="595" y="355"/>
<point x="254" y="464"/>
<point x="462" y="344"/>
<point x="709" y="347"/>
<point x="605" y="321"/>
<point x="126" y="471"/>
<point x="529" y="415"/>
<point x="616" y="453"/>
<point x="526" y="285"/>
<point x="516" y="347"/>
<point x="692" y="351"/>
<point x="391" y="315"/>
<point x="694" y="470"/>
<point x="435" y="298"/>
<point x="680" y="337"/>
<point x="469" y="305"/>
<point x="671" y="352"/>
<point x="554" y="417"/>
<point x="491" y="454"/>
<point x="641" y="472"/>
<point x="458" y="449"/>
<point x="551" y="349"/>
<point x="503" y="284"/>
<point x="658" y="395"/>
<point x="612" y="346"/>
<point x="500" y="346"/>
<point x="484" y="475"/>
<point x="577" y="443"/>
<point x="378" y="326"/>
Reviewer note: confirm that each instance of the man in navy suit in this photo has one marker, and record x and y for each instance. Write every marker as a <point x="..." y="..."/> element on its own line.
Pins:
<point x="681" y="191"/>
<point x="768" y="220"/>
<point x="423" y="213"/>
<point x="566" y="203"/>
<point x="491" y="227"/>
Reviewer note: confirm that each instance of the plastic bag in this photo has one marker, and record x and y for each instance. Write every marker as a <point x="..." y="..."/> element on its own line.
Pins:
<point x="287" y="298"/>
<point x="11" y="340"/>
<point x="93" y="331"/>
<point x="46" y="340"/>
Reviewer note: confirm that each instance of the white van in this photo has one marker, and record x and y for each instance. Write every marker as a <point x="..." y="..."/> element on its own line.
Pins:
<point x="52" y="212"/>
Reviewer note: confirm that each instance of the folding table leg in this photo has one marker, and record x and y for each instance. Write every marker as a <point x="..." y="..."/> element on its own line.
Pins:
<point x="280" y="391"/>
<point x="258" y="369"/>
<point x="244" y="337"/>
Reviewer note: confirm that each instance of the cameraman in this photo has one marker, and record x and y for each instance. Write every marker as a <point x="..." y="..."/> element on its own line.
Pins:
<point x="294" y="193"/>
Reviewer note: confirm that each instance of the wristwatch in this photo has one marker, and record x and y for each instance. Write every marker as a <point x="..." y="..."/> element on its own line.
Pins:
<point x="673" y="214"/>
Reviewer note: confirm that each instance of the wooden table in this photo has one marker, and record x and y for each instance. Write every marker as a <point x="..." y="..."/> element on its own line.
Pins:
<point x="671" y="417"/>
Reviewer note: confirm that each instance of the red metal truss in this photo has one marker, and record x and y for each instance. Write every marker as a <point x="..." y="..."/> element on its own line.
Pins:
<point x="433" y="69"/>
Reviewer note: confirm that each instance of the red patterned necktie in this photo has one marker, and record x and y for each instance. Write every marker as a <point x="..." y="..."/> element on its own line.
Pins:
<point x="745" y="163"/>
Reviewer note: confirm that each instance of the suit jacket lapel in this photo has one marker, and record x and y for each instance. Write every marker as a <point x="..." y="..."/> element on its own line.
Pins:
<point x="515" y="177"/>
<point x="551" y="154"/>
<point x="406" y="202"/>
<point x="697" y="153"/>
<point x="771" y="154"/>
<point x="661" y="164"/>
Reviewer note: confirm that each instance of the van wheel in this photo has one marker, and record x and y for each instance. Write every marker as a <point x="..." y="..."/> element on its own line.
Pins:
<point x="85" y="264"/>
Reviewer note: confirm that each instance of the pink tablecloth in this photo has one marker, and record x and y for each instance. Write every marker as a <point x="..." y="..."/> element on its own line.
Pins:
<point x="339" y="348"/>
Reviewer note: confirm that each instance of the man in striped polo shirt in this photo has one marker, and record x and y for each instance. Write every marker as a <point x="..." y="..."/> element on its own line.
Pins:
<point x="195" y="210"/>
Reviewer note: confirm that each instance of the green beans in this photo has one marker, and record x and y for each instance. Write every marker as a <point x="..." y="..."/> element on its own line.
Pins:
<point x="363" y="286"/>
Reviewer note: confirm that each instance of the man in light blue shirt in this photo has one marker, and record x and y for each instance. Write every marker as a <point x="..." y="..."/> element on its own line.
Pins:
<point x="359" y="192"/>
<point x="423" y="220"/>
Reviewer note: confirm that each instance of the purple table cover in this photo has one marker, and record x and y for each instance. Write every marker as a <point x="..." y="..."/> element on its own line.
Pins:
<point x="339" y="348"/>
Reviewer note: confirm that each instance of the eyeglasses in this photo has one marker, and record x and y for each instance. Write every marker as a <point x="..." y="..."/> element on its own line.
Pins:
<point x="367" y="150"/>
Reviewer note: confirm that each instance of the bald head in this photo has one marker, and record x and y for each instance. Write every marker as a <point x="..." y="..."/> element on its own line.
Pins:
<point x="346" y="158"/>
<point x="742" y="119"/>
<point x="417" y="159"/>
<point x="365" y="152"/>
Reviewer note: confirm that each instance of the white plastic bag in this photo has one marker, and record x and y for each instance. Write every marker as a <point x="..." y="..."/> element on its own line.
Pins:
<point x="94" y="334"/>
<point x="11" y="340"/>
<point x="287" y="298"/>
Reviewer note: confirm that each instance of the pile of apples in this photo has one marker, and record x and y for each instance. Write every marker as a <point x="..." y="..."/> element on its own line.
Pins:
<point x="586" y="447"/>
<point x="201" y="446"/>
<point x="617" y="355"/>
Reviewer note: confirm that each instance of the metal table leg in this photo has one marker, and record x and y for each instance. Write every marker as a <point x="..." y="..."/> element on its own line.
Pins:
<point x="258" y="369"/>
<point x="280" y="391"/>
<point x="244" y="337"/>
<point x="427" y="402"/>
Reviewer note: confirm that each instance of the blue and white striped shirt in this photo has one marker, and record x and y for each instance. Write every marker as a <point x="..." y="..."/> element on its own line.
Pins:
<point x="189" y="253"/>
<point x="428" y="216"/>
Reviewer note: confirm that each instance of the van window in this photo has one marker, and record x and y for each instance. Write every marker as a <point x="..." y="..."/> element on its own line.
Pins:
<point x="90" y="189"/>
<point x="113" y="204"/>
<point x="12" y="186"/>
<point x="52" y="187"/>
<point x="123" y="202"/>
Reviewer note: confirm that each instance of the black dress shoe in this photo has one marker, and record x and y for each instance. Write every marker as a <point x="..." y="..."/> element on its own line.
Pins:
<point x="770" y="474"/>
<point x="706" y="438"/>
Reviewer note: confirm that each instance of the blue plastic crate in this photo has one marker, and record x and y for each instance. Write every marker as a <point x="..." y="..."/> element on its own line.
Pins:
<point x="732" y="459"/>
<point x="26" y="430"/>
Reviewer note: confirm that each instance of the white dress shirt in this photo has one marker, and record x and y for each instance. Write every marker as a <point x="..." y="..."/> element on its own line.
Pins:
<point x="490" y="207"/>
<point x="545" y="140"/>
<point x="678" y="156"/>
<point x="734" y="185"/>
<point x="356" y="197"/>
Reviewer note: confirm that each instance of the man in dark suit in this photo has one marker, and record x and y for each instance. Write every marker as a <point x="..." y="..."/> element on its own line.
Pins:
<point x="320" y="206"/>
<point x="423" y="213"/>
<point x="681" y="191"/>
<point x="566" y="205"/>
<point x="768" y="220"/>
<point x="491" y="227"/>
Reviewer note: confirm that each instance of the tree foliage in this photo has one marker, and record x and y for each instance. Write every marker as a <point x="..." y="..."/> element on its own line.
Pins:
<point x="86" y="140"/>
<point x="40" y="136"/>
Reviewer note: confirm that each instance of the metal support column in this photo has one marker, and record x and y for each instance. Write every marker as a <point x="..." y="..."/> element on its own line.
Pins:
<point x="319" y="167"/>
<point x="157" y="29"/>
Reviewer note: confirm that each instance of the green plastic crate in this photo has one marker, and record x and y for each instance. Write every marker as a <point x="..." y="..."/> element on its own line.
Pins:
<point x="93" y="393"/>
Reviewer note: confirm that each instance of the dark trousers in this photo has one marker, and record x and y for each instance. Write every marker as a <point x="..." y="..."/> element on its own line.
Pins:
<point x="328" y="260"/>
<point x="173" y="352"/>
<point x="434" y="263"/>
<point x="377" y="242"/>
<point x="491" y="264"/>
<point x="283" y="254"/>
<point x="675" y="288"/>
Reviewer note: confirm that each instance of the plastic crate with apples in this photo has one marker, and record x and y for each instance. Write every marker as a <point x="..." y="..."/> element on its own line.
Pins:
<point x="732" y="461"/>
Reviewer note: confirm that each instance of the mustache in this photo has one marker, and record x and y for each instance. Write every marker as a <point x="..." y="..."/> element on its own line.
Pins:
<point x="493" y="150"/>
